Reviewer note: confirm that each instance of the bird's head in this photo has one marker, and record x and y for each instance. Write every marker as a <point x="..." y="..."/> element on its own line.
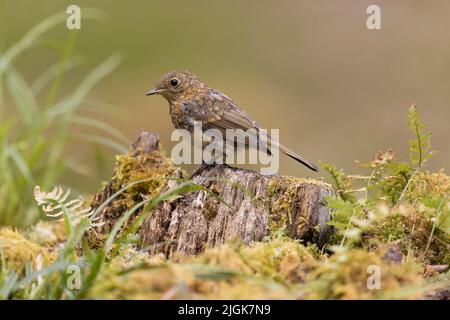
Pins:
<point x="174" y="83"/>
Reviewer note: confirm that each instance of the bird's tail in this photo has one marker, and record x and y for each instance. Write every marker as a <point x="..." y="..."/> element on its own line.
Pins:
<point x="269" y="143"/>
<point x="300" y="159"/>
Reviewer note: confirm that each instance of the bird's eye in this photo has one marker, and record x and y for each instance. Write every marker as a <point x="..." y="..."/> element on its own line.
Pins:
<point x="174" y="82"/>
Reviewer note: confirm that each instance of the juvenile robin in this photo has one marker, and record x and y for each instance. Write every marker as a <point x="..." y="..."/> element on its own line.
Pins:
<point x="191" y="100"/>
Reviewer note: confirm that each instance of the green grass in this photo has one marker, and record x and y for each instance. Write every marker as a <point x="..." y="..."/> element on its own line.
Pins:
<point x="36" y="130"/>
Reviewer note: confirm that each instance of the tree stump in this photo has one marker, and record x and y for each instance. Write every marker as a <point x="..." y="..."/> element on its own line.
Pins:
<point x="251" y="206"/>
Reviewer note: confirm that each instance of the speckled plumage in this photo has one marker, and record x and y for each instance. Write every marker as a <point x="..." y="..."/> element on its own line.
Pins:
<point x="191" y="100"/>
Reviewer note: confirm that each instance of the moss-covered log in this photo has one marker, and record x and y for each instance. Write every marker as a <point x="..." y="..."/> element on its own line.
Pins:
<point x="251" y="206"/>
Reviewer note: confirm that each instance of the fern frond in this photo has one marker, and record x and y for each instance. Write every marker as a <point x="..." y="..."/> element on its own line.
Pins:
<point x="55" y="202"/>
<point x="420" y="147"/>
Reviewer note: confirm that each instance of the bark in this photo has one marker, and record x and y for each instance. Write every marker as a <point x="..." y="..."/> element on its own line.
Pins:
<point x="241" y="204"/>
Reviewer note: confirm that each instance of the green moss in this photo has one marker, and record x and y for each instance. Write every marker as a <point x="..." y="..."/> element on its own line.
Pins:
<point x="280" y="203"/>
<point x="230" y="271"/>
<point x="132" y="168"/>
<point x="281" y="194"/>
<point x="18" y="251"/>
<point x="276" y="269"/>
<point x="413" y="230"/>
<point x="345" y="276"/>
<point x="391" y="229"/>
<point x="281" y="259"/>
<point x="427" y="245"/>
<point x="154" y="168"/>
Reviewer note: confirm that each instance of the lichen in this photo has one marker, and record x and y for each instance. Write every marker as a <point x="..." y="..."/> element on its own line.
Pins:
<point x="47" y="233"/>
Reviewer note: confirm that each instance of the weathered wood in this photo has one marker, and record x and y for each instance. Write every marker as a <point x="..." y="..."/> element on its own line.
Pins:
<point x="252" y="207"/>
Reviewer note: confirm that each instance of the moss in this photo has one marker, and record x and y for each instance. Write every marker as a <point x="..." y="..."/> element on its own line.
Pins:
<point x="226" y="256"/>
<point x="230" y="271"/>
<point x="134" y="285"/>
<point x="275" y="269"/>
<point x="281" y="194"/>
<point x="426" y="183"/>
<point x="18" y="251"/>
<point x="434" y="250"/>
<point x="390" y="229"/>
<point x="133" y="274"/>
<point x="129" y="168"/>
<point x="280" y="203"/>
<point x="152" y="167"/>
<point x="280" y="259"/>
<point x="345" y="276"/>
<point x="411" y="229"/>
<point x="179" y="282"/>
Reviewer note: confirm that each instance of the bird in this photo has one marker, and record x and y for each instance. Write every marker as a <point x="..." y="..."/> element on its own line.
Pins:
<point x="192" y="100"/>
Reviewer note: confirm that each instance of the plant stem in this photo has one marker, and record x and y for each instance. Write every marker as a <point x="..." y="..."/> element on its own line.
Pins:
<point x="368" y="184"/>
<point x="408" y="183"/>
<point x="434" y="225"/>
<point x="348" y="227"/>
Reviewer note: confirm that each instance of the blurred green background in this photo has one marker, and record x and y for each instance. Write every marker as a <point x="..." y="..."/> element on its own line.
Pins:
<point x="337" y="91"/>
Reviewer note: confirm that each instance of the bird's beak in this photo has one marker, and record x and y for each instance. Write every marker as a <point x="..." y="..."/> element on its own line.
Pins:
<point x="154" y="91"/>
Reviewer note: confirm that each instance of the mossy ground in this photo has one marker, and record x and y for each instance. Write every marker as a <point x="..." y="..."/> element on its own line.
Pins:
<point x="393" y="223"/>
<point x="17" y="252"/>
<point x="276" y="268"/>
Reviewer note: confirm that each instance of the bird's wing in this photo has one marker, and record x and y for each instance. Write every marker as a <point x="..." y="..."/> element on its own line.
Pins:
<point x="216" y="111"/>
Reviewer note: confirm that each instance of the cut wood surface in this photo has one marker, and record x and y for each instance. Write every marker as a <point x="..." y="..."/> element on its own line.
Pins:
<point x="241" y="204"/>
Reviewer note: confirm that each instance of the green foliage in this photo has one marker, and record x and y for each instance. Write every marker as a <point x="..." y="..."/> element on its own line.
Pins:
<point x="394" y="180"/>
<point x="391" y="229"/>
<point x="341" y="181"/>
<point x="34" y="137"/>
<point x="396" y="201"/>
<point x="420" y="147"/>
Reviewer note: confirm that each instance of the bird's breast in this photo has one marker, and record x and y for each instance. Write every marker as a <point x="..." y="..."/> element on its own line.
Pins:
<point x="179" y="116"/>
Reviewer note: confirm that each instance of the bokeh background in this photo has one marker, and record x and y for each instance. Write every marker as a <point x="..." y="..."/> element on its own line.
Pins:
<point x="337" y="91"/>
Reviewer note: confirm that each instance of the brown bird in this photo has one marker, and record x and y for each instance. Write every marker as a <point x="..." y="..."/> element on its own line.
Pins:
<point x="191" y="100"/>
